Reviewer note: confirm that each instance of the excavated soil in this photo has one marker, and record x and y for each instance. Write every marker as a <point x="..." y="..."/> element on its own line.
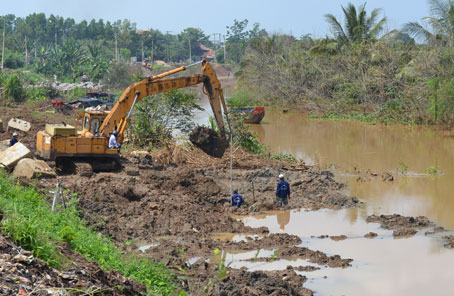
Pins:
<point x="174" y="210"/>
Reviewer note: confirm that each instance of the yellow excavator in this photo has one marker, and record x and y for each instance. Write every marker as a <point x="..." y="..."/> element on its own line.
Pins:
<point x="87" y="149"/>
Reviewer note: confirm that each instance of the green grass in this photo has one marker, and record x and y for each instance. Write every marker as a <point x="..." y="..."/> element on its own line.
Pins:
<point x="29" y="221"/>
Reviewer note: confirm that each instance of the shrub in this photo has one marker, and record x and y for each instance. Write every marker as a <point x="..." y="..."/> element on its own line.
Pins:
<point x="14" y="89"/>
<point x="157" y="115"/>
<point x="241" y="99"/>
<point x="37" y="94"/>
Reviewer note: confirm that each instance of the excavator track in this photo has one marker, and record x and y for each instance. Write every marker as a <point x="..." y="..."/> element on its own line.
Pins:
<point x="83" y="169"/>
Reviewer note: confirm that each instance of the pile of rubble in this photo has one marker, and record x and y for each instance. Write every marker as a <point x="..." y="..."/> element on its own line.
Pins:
<point x="23" y="274"/>
<point x="18" y="158"/>
<point x="68" y="87"/>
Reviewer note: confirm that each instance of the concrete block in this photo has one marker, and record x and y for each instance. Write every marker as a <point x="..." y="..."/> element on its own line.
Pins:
<point x="11" y="156"/>
<point x="19" y="124"/>
<point x="32" y="168"/>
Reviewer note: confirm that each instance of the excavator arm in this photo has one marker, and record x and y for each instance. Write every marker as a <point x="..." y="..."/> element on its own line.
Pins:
<point x="119" y="116"/>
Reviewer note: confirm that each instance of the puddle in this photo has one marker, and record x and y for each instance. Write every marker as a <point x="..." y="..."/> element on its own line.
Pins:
<point x="251" y="260"/>
<point x="235" y="237"/>
<point x="416" y="265"/>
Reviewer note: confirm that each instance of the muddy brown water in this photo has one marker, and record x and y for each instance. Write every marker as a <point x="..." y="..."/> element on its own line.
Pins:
<point x="417" y="265"/>
<point x="347" y="147"/>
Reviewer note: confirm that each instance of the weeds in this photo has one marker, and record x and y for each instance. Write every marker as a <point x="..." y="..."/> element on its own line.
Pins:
<point x="433" y="170"/>
<point x="276" y="252"/>
<point x="284" y="156"/>
<point x="403" y="168"/>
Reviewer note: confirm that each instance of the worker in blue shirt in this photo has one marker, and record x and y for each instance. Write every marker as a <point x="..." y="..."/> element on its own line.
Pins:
<point x="13" y="140"/>
<point x="236" y="199"/>
<point x="282" y="191"/>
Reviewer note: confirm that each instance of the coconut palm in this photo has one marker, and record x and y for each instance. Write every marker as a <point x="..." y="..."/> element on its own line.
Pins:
<point x="358" y="26"/>
<point x="441" y="23"/>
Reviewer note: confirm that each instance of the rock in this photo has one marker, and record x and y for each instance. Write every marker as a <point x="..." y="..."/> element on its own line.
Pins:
<point x="19" y="124"/>
<point x="370" y="235"/>
<point x="11" y="156"/>
<point x="31" y="168"/>
<point x="21" y="258"/>
<point x="404" y="232"/>
<point x="3" y="146"/>
<point x="1" y="126"/>
<point x="338" y="237"/>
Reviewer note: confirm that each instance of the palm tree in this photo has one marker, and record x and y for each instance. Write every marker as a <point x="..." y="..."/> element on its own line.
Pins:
<point x="441" y="22"/>
<point x="358" y="26"/>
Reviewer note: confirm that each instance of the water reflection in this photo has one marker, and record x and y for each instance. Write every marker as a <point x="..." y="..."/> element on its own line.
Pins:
<point x="283" y="219"/>
<point x="352" y="145"/>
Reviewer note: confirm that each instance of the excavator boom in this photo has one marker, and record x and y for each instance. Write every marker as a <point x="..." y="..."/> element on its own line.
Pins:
<point x="118" y="117"/>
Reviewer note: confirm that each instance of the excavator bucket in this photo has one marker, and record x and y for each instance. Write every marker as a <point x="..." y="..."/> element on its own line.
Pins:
<point x="209" y="141"/>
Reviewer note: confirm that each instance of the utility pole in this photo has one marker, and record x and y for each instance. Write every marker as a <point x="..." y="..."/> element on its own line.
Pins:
<point x="168" y="46"/>
<point x="142" y="51"/>
<point x="3" y="46"/>
<point x="152" y="50"/>
<point x="116" y="47"/>
<point x="190" y="54"/>
<point x="27" y="59"/>
<point x="225" y="52"/>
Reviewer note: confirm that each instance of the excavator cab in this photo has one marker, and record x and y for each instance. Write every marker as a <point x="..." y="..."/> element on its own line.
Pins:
<point x="89" y="123"/>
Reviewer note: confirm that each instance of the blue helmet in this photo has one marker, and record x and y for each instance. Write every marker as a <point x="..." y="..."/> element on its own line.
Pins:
<point x="115" y="133"/>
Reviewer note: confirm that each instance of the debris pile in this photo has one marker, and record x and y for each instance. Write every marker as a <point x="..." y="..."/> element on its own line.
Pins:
<point x="23" y="274"/>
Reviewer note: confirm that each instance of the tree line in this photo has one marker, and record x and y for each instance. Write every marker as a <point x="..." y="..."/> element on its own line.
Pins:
<point x="57" y="45"/>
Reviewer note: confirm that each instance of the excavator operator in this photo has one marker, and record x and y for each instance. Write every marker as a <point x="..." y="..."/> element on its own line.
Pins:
<point x="113" y="144"/>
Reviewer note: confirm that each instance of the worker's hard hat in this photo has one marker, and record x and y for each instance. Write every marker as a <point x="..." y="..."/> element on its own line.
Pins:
<point x="115" y="133"/>
<point x="281" y="176"/>
<point x="14" y="134"/>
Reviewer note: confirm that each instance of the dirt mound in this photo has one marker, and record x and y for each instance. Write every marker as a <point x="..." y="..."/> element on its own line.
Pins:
<point x="371" y="235"/>
<point x="22" y="274"/>
<point x="209" y="141"/>
<point x="396" y="221"/>
<point x="316" y="257"/>
<point x="258" y="283"/>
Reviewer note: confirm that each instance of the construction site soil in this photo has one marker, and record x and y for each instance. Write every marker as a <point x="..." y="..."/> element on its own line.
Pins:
<point x="172" y="210"/>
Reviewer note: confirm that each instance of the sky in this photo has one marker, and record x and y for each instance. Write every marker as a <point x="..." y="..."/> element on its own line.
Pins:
<point x="296" y="17"/>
